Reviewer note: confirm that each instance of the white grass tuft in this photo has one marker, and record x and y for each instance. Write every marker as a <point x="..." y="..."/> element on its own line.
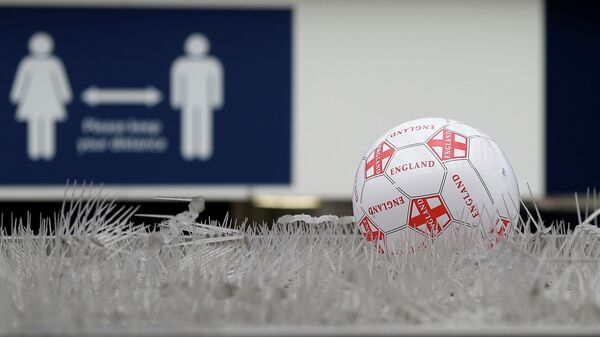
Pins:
<point x="90" y="269"/>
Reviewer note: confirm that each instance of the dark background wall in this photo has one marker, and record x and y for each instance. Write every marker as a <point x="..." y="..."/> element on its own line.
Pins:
<point x="572" y="95"/>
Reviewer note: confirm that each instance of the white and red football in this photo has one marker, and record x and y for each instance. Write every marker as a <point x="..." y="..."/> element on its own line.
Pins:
<point x="427" y="176"/>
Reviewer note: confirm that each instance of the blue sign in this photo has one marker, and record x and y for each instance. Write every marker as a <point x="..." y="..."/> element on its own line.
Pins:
<point x="145" y="96"/>
<point x="572" y="104"/>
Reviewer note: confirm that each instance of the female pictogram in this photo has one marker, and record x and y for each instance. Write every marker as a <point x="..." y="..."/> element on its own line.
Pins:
<point x="41" y="90"/>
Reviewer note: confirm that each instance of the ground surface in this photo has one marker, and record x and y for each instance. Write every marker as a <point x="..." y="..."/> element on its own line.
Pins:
<point x="94" y="273"/>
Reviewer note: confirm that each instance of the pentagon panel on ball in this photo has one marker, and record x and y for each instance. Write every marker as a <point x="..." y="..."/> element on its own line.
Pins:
<point x="425" y="177"/>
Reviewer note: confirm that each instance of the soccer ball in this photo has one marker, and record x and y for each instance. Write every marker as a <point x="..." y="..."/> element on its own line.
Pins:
<point x="428" y="176"/>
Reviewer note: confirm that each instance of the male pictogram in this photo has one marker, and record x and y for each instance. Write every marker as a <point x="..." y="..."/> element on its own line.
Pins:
<point x="448" y="145"/>
<point x="197" y="90"/>
<point x="429" y="215"/>
<point x="378" y="159"/>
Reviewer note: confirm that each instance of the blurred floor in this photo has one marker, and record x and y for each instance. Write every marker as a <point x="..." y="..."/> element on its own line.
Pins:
<point x="551" y="210"/>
